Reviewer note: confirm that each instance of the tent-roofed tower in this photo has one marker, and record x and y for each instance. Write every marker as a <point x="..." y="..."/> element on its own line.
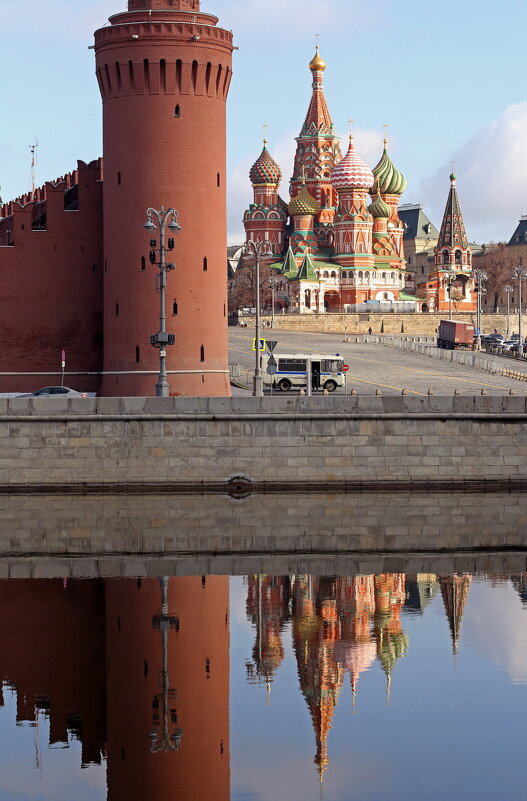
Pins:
<point x="266" y="217"/>
<point x="164" y="69"/>
<point x="318" y="148"/>
<point x="454" y="590"/>
<point x="450" y="285"/>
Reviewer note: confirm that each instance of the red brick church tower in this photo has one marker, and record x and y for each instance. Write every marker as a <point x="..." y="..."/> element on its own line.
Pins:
<point x="164" y="70"/>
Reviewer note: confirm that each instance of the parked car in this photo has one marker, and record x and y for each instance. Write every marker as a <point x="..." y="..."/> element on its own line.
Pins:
<point x="507" y="344"/>
<point x="56" y="392"/>
<point x="495" y="339"/>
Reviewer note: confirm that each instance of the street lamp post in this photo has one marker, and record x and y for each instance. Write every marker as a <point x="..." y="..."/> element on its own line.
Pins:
<point x="508" y="289"/>
<point x="257" y="249"/>
<point x="273" y="283"/>
<point x="479" y="276"/>
<point x="165" y="219"/>
<point x="450" y="271"/>
<point x="520" y="273"/>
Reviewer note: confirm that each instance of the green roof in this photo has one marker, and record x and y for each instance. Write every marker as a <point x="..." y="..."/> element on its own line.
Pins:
<point x="306" y="271"/>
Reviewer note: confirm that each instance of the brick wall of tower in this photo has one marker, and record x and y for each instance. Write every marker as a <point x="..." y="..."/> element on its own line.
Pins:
<point x="164" y="76"/>
<point x="51" y="268"/>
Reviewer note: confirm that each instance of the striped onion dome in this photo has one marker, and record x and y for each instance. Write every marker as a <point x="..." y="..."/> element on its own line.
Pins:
<point x="351" y="172"/>
<point x="304" y="203"/>
<point x="265" y="170"/>
<point x="388" y="179"/>
<point x="379" y="208"/>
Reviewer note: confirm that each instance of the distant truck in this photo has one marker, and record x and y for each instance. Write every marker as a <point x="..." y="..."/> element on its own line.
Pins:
<point x="452" y="335"/>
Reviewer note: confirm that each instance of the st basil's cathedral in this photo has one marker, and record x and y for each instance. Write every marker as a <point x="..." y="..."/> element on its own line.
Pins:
<point x="339" y="240"/>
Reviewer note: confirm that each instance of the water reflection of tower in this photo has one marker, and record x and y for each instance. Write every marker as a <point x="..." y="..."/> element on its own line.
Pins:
<point x="167" y="677"/>
<point x="316" y="627"/>
<point x="454" y="590"/>
<point x="392" y="641"/>
<point x="268" y="608"/>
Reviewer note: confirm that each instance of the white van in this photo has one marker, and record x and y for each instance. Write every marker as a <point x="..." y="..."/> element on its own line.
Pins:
<point x="292" y="370"/>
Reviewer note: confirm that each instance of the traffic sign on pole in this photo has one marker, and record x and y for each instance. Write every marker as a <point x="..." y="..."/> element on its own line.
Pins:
<point x="345" y="368"/>
<point x="271" y="344"/>
<point x="262" y="344"/>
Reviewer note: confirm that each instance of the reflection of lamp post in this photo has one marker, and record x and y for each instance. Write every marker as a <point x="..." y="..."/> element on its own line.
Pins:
<point x="165" y="622"/>
<point x="508" y="289"/>
<point x="520" y="273"/>
<point x="162" y="339"/>
<point x="479" y="276"/>
<point x="257" y="249"/>
<point x="273" y="283"/>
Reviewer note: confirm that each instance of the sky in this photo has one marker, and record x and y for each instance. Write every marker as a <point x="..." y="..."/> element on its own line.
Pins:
<point x="448" y="79"/>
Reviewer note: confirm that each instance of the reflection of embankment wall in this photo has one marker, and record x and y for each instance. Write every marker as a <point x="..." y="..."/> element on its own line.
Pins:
<point x="289" y="441"/>
<point x="167" y="535"/>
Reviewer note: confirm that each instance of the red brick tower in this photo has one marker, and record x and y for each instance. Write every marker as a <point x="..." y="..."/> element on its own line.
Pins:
<point x="164" y="70"/>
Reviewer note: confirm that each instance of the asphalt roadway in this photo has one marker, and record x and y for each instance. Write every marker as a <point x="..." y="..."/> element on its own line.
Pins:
<point x="375" y="367"/>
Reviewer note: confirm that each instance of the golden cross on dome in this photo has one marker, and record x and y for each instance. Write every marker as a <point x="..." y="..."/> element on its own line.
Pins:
<point x="350" y="123"/>
<point x="265" y="127"/>
<point x="385" y="133"/>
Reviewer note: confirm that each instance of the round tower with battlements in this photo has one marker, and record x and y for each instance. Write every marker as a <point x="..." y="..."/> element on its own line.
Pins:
<point x="164" y="70"/>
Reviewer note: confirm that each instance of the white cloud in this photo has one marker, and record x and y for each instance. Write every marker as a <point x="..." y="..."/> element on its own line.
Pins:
<point x="492" y="177"/>
<point x="495" y="624"/>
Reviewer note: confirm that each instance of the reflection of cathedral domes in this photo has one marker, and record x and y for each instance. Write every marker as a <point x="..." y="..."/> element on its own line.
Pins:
<point x="352" y="172"/>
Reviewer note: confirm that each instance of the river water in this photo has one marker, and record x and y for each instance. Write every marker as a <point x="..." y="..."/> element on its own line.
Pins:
<point x="385" y="686"/>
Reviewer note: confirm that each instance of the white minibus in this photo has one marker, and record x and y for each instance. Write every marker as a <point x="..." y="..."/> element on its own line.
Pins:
<point x="291" y="371"/>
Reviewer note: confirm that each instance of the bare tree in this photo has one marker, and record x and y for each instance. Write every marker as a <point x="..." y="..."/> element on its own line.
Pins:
<point x="498" y="262"/>
<point x="242" y="288"/>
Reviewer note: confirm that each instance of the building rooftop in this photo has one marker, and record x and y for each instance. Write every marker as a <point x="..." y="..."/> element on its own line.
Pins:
<point x="416" y="223"/>
<point x="519" y="237"/>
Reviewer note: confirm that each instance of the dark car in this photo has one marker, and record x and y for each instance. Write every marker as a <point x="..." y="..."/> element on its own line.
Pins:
<point x="55" y="392"/>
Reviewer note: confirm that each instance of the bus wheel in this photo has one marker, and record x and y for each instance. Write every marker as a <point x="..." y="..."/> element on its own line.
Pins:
<point x="330" y="386"/>
<point x="284" y="384"/>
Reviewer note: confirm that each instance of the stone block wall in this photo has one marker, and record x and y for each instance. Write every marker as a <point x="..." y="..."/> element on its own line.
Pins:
<point x="285" y="441"/>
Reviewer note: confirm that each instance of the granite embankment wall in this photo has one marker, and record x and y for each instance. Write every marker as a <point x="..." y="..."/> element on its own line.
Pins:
<point x="279" y="442"/>
<point x="381" y="323"/>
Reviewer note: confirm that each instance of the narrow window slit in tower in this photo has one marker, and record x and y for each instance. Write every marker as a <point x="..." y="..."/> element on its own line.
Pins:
<point x="163" y="75"/>
<point x="118" y="74"/>
<point x="143" y="263"/>
<point x="137" y="353"/>
<point x="177" y="111"/>
<point x="94" y="268"/>
<point x="117" y="308"/>
<point x="194" y="74"/>
<point x="119" y="179"/>
<point x="108" y="79"/>
<point x="207" y="666"/>
<point x="226" y="81"/>
<point x="178" y="75"/>
<point x="205" y="265"/>
<point x="218" y="79"/>
<point x="218" y="180"/>
<point x="174" y="308"/>
<point x="202" y="353"/>
<point x="146" y="68"/>
<point x="131" y="74"/>
<point x="207" y="76"/>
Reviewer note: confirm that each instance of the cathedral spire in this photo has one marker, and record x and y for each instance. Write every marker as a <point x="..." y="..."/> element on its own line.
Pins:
<point x="452" y="234"/>
<point x="318" y="119"/>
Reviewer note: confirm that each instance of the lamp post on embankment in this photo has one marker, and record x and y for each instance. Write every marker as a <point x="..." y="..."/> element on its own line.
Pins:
<point x="162" y="339"/>
<point x="257" y="249"/>
<point x="508" y="289"/>
<point x="520" y="273"/>
<point x="479" y="277"/>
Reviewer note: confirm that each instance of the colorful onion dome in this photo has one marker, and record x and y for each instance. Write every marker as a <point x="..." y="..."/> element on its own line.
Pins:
<point x="265" y="170"/>
<point x="317" y="64"/>
<point x="352" y="172"/>
<point x="379" y="208"/>
<point x="304" y="203"/>
<point x="388" y="179"/>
